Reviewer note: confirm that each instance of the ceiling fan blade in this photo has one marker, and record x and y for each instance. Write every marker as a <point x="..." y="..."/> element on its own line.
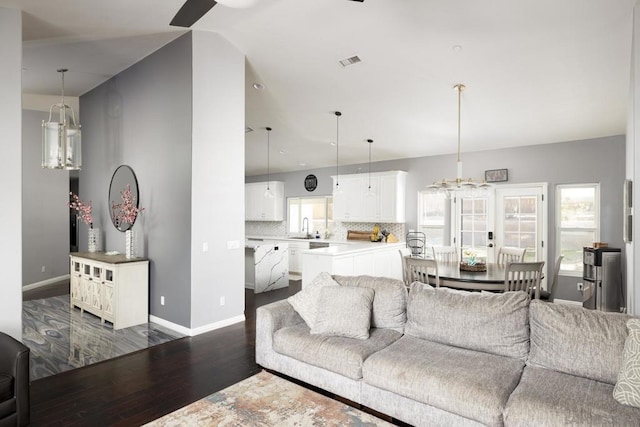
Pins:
<point x="191" y="11"/>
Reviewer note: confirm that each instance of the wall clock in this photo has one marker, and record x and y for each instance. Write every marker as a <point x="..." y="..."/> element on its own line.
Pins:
<point x="310" y="182"/>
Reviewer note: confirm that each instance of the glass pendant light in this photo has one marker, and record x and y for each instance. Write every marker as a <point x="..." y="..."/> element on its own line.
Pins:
<point x="337" y="189"/>
<point x="61" y="140"/>
<point x="370" y="192"/>
<point x="268" y="194"/>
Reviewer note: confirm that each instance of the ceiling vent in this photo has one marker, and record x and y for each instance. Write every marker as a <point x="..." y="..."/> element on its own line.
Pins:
<point x="350" y="61"/>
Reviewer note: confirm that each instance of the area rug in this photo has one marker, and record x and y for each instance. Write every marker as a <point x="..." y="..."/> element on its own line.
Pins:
<point x="267" y="400"/>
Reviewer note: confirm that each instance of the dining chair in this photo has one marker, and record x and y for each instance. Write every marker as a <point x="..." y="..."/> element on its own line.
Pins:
<point x="405" y="252"/>
<point x="550" y="295"/>
<point x="445" y="253"/>
<point x="419" y="269"/>
<point x="508" y="254"/>
<point x="416" y="241"/>
<point x="524" y="276"/>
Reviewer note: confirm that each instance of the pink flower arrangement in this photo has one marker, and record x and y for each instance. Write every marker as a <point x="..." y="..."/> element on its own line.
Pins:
<point x="127" y="211"/>
<point x="83" y="210"/>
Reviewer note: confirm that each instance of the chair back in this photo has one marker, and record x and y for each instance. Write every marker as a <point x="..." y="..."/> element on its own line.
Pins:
<point x="405" y="252"/>
<point x="445" y="253"/>
<point x="508" y="254"/>
<point x="554" y="284"/>
<point x="524" y="276"/>
<point x="416" y="241"/>
<point x="419" y="269"/>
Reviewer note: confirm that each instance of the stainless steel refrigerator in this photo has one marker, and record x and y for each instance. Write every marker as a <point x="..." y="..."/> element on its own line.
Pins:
<point x="602" y="275"/>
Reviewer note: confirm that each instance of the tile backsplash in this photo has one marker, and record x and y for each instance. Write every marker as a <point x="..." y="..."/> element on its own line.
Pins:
<point x="337" y="230"/>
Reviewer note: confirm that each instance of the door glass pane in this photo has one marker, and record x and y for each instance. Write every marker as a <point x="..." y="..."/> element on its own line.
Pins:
<point x="520" y="224"/>
<point x="473" y="226"/>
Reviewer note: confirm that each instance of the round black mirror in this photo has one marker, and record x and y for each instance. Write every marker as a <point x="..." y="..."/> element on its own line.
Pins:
<point x="123" y="189"/>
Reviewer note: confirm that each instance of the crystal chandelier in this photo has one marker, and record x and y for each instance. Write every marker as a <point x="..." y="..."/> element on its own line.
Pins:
<point x="61" y="140"/>
<point x="467" y="186"/>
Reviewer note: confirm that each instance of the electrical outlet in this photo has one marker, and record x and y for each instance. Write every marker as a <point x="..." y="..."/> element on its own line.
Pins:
<point x="580" y="286"/>
<point x="162" y="300"/>
<point x="222" y="301"/>
<point x="43" y="268"/>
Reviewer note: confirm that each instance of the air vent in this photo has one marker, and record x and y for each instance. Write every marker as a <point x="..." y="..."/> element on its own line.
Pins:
<point x="350" y="61"/>
<point x="248" y="129"/>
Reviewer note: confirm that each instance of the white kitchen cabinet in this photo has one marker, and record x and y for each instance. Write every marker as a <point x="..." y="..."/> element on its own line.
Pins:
<point x="261" y="208"/>
<point x="295" y="255"/>
<point x="385" y="205"/>
<point x="111" y="287"/>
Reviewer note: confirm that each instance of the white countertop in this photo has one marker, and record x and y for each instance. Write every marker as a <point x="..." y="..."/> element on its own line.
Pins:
<point x="353" y="247"/>
<point x="293" y="239"/>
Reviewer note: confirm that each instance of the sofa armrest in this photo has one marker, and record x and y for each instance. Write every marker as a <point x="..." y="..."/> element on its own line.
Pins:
<point x="14" y="361"/>
<point x="269" y="319"/>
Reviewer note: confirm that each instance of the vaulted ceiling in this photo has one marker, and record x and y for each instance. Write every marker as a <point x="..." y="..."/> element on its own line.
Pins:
<point x="536" y="71"/>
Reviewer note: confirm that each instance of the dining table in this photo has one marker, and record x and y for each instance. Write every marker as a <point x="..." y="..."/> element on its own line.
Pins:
<point x="491" y="280"/>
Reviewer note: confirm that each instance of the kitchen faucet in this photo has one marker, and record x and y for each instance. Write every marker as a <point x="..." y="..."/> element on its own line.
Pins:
<point x="305" y="219"/>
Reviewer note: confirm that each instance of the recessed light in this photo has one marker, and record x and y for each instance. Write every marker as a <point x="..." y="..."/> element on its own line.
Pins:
<point x="258" y="86"/>
<point x="350" y="61"/>
<point x="303" y="164"/>
<point x="333" y="144"/>
<point x="457" y="48"/>
<point x="281" y="151"/>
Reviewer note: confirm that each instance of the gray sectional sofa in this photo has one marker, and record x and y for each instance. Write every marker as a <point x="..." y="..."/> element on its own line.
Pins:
<point x="445" y="357"/>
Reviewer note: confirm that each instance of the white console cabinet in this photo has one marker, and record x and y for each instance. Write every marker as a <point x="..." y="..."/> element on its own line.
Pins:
<point x="112" y="287"/>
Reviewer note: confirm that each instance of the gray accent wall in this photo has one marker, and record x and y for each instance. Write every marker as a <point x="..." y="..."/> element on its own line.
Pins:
<point x="597" y="160"/>
<point x="11" y="172"/>
<point x="142" y="118"/>
<point x="45" y="215"/>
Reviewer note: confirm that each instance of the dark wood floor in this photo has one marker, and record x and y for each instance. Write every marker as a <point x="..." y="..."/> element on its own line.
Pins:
<point x="142" y="386"/>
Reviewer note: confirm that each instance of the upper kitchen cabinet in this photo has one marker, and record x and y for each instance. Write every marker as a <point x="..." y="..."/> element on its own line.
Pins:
<point x="385" y="203"/>
<point x="259" y="207"/>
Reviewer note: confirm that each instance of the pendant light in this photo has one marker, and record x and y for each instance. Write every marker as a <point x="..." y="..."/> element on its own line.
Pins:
<point x="337" y="189"/>
<point x="467" y="185"/>
<point x="61" y="140"/>
<point x="370" y="192"/>
<point x="268" y="194"/>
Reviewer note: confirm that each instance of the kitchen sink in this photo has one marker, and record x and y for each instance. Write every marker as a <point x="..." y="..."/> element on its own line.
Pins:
<point x="316" y="245"/>
<point x="302" y="238"/>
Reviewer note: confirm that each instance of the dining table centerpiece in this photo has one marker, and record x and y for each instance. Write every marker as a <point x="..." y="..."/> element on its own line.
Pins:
<point x="470" y="261"/>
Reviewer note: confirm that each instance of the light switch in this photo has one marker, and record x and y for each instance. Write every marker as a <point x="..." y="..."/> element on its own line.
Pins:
<point x="205" y="247"/>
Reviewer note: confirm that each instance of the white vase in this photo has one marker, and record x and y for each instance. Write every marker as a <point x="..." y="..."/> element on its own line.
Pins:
<point x="93" y="235"/>
<point x="130" y="244"/>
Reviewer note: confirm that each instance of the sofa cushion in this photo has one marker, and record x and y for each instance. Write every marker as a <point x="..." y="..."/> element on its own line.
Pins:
<point x="468" y="383"/>
<point x="577" y="341"/>
<point x="389" y="301"/>
<point x="550" y="398"/>
<point x="306" y="301"/>
<point x="344" y="312"/>
<point x="627" y="389"/>
<point x="493" y="323"/>
<point x="341" y="355"/>
<point x="6" y="387"/>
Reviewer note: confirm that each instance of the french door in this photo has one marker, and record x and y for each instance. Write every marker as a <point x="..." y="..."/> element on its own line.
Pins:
<point x="507" y="215"/>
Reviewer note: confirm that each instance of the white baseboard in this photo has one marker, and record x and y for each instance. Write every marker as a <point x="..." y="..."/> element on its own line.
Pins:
<point x="51" y="281"/>
<point x="567" y="302"/>
<point x="199" y="330"/>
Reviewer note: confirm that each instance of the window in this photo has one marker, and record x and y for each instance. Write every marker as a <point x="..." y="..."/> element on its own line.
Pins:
<point x="473" y="225"/>
<point x="318" y="210"/>
<point x="577" y="223"/>
<point x="432" y="214"/>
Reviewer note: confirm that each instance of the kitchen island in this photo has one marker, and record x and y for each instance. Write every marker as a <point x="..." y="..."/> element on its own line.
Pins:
<point x="353" y="259"/>
<point x="266" y="266"/>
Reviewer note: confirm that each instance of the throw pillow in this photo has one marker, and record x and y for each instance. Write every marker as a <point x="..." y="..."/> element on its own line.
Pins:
<point x="345" y="312"/>
<point x="305" y="302"/>
<point x="627" y="389"/>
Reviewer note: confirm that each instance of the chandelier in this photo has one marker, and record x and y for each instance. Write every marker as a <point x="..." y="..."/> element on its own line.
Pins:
<point x="61" y="139"/>
<point x="467" y="186"/>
